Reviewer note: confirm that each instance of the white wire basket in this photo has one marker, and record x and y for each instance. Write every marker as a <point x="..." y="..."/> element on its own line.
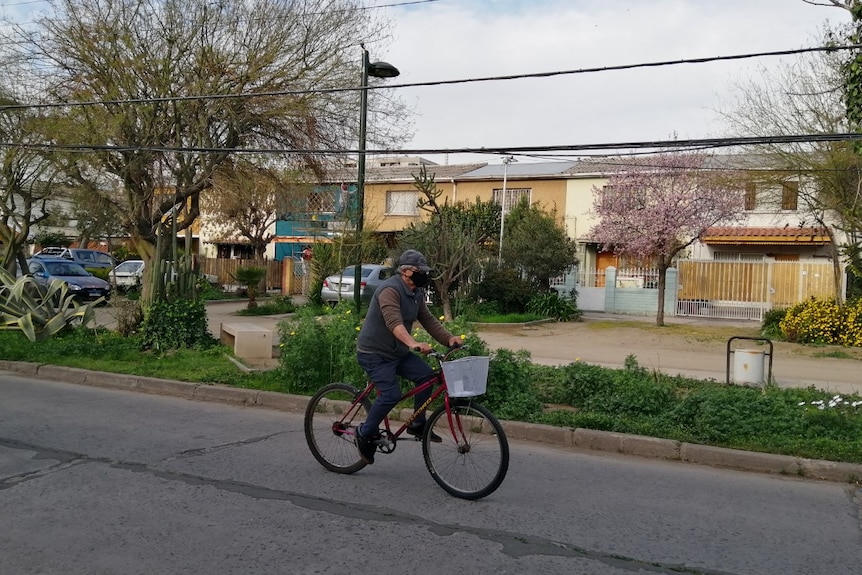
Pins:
<point x="467" y="376"/>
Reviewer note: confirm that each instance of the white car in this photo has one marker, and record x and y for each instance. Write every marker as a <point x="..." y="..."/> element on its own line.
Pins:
<point x="128" y="274"/>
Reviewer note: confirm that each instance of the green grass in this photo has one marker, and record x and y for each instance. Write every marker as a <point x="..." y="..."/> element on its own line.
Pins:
<point x="834" y="355"/>
<point x="103" y="350"/>
<point x="274" y="306"/>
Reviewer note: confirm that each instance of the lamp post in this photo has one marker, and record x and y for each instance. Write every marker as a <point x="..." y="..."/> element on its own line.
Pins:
<point x="506" y="161"/>
<point x="377" y="70"/>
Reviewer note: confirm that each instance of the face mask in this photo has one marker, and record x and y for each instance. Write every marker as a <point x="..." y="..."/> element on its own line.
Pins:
<point x="420" y="279"/>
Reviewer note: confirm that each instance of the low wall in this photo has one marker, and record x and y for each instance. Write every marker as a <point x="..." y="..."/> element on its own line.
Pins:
<point x="626" y="297"/>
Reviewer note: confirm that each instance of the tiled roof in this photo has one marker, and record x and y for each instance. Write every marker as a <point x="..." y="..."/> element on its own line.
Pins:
<point x="764" y="235"/>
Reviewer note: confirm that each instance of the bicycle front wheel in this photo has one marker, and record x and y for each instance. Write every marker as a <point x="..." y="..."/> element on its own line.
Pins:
<point x="473" y="458"/>
<point x="331" y="419"/>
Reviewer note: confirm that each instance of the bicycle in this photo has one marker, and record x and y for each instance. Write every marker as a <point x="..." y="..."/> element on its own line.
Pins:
<point x="471" y="461"/>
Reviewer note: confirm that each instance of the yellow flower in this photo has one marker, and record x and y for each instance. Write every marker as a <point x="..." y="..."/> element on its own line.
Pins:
<point x="463" y="336"/>
<point x="293" y="333"/>
<point x="442" y="317"/>
<point x="357" y="328"/>
<point x="348" y="313"/>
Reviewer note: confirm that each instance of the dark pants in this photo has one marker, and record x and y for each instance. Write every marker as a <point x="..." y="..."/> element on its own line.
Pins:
<point x="383" y="371"/>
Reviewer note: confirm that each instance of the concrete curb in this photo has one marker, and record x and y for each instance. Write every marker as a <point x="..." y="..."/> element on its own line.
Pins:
<point x="581" y="439"/>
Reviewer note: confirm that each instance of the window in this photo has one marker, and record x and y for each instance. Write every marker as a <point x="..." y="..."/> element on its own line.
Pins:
<point x="737" y="257"/>
<point x="513" y="196"/>
<point x="750" y="197"/>
<point x="101" y="258"/>
<point x="789" y="195"/>
<point x="321" y="202"/>
<point x="402" y="203"/>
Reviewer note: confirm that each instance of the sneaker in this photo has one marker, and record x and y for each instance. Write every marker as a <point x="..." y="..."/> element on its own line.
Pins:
<point x="416" y="430"/>
<point x="366" y="446"/>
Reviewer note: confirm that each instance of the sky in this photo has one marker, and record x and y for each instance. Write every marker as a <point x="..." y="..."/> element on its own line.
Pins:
<point x="459" y="39"/>
<point x="440" y="40"/>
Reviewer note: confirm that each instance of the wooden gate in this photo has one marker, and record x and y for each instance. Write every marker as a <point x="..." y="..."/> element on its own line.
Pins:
<point x="745" y="290"/>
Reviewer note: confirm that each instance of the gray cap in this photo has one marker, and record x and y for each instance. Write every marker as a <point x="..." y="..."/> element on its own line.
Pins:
<point x="414" y="258"/>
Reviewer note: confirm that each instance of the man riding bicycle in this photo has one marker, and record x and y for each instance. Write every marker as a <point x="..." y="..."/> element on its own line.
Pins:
<point x="385" y="342"/>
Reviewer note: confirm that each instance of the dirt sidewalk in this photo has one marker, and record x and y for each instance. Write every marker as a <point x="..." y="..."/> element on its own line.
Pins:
<point x="696" y="348"/>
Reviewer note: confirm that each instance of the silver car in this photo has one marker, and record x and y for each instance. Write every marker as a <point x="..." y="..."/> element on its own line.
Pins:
<point x="339" y="287"/>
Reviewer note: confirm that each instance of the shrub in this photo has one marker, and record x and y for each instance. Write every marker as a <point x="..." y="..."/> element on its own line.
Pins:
<point x="101" y="273"/>
<point x="316" y="350"/>
<point x="813" y="321"/>
<point x="552" y="305"/>
<point x="770" y="327"/>
<point x="851" y="334"/>
<point x="130" y="316"/>
<point x="176" y="324"/>
<point x="506" y="287"/>
<point x="510" y="393"/>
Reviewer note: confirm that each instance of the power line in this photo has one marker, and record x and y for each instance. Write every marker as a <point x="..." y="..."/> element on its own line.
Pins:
<point x="619" y="67"/>
<point x="689" y="144"/>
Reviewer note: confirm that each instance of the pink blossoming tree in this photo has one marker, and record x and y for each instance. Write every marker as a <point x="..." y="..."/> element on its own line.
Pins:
<point x="654" y="208"/>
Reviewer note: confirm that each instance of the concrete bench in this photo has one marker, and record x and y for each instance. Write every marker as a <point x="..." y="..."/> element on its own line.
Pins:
<point x="249" y="341"/>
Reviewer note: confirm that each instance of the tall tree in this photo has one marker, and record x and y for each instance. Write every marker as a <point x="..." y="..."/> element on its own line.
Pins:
<point x="243" y="202"/>
<point x="452" y="238"/>
<point x="806" y="97"/>
<point x="162" y="92"/>
<point x="537" y="244"/>
<point x="27" y="185"/>
<point x="653" y="209"/>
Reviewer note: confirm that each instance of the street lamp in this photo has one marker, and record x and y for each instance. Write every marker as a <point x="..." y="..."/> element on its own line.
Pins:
<point x="506" y="161"/>
<point x="377" y="70"/>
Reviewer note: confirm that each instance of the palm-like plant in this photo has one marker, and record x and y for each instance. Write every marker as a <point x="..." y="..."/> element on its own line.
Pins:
<point x="250" y="277"/>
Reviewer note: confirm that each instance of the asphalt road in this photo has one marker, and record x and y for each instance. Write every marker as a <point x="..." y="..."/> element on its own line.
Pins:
<point x="101" y="481"/>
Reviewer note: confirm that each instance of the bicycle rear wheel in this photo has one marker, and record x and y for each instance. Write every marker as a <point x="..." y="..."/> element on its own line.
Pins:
<point x="473" y="458"/>
<point x="331" y="419"/>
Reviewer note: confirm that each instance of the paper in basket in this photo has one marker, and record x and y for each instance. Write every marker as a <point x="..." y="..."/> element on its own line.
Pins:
<point x="467" y="376"/>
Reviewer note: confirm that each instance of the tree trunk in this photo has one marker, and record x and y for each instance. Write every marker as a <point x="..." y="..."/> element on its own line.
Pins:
<point x="147" y="250"/>
<point x="837" y="272"/>
<point x="443" y="290"/>
<point x="662" y="284"/>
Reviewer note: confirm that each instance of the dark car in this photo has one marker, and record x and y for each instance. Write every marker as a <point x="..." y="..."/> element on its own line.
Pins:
<point x="85" y="258"/>
<point x="81" y="283"/>
<point x="339" y="287"/>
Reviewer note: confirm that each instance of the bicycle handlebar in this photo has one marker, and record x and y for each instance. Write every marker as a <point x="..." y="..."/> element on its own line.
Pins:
<point x="440" y="356"/>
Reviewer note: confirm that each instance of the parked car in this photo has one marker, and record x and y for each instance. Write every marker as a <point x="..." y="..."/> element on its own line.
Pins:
<point x="339" y="287"/>
<point x="85" y="258"/>
<point x="128" y="274"/>
<point x="82" y="284"/>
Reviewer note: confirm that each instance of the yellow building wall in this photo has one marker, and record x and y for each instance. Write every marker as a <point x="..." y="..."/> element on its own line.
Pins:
<point x="579" y="206"/>
<point x="549" y="194"/>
